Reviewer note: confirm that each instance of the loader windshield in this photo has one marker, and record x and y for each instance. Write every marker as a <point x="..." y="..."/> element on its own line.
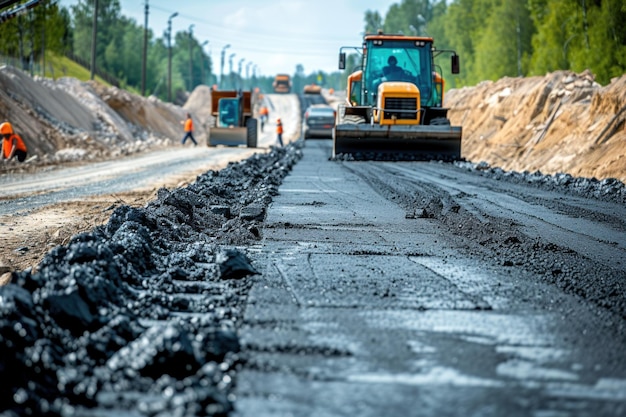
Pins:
<point x="398" y="60"/>
<point x="228" y="112"/>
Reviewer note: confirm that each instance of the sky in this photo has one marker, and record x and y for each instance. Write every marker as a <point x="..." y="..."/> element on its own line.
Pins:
<point x="271" y="36"/>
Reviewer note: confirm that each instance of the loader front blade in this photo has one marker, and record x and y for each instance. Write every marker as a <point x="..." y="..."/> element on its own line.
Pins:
<point x="228" y="136"/>
<point x="398" y="142"/>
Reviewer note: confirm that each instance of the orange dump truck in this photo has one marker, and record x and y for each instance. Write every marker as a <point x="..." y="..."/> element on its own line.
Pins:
<point x="282" y="84"/>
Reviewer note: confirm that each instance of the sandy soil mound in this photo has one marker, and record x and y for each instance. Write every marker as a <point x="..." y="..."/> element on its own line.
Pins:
<point x="69" y="120"/>
<point x="563" y="122"/>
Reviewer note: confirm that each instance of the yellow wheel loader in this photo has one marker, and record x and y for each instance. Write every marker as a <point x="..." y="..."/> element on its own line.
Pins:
<point x="232" y="124"/>
<point x="394" y="103"/>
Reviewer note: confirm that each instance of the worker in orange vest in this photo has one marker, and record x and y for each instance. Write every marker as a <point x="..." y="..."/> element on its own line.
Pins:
<point x="279" y="131"/>
<point x="12" y="143"/>
<point x="264" y="113"/>
<point x="188" y="130"/>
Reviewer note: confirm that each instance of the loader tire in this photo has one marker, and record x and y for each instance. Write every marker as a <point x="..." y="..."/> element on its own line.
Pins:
<point x="252" y="133"/>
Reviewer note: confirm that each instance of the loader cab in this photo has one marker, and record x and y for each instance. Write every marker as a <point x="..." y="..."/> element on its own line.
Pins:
<point x="228" y="109"/>
<point x="395" y="58"/>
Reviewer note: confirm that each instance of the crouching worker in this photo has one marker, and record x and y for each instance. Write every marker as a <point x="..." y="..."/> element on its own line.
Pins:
<point x="12" y="143"/>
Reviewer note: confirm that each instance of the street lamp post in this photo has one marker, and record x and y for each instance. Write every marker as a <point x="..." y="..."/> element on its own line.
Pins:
<point x="190" y="58"/>
<point x="202" y="80"/>
<point x="239" y="81"/>
<point x="230" y="73"/>
<point x="169" y="56"/>
<point x="248" y="65"/>
<point x="222" y="66"/>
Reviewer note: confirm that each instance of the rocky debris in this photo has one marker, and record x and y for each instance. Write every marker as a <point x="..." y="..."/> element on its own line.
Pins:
<point x="609" y="189"/>
<point x="141" y="313"/>
<point x="562" y="122"/>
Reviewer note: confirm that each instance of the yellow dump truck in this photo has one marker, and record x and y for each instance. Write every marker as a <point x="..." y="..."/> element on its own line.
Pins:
<point x="282" y="84"/>
<point x="232" y="123"/>
<point x="394" y="103"/>
<point x="312" y="89"/>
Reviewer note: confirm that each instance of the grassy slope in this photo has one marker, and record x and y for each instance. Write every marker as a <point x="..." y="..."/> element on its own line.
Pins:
<point x="58" y="66"/>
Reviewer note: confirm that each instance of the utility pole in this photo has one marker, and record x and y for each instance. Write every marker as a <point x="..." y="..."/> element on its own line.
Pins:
<point x="239" y="81"/>
<point x="248" y="65"/>
<point x="43" y="44"/>
<point x="145" y="52"/>
<point x="230" y="73"/>
<point x="94" y="31"/>
<point x="169" y="56"/>
<point x="190" y="57"/>
<point x="31" y="59"/>
<point x="202" y="78"/>
<point x="222" y="66"/>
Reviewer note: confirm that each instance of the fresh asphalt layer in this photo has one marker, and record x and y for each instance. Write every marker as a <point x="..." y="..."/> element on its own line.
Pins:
<point x="361" y="310"/>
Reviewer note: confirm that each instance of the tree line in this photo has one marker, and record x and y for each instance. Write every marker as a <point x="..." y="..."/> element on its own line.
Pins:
<point x="494" y="38"/>
<point x="499" y="38"/>
<point x="50" y="28"/>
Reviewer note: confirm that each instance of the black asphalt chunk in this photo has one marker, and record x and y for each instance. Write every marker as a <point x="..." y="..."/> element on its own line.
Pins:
<point x="141" y="313"/>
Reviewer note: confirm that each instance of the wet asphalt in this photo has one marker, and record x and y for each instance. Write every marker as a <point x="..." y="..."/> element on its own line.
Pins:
<point x="415" y="292"/>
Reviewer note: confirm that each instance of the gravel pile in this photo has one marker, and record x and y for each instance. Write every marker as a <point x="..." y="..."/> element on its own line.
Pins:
<point x="607" y="189"/>
<point x="142" y="313"/>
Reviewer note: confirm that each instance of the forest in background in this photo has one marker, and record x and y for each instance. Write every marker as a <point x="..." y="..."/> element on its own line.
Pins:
<point x="513" y="38"/>
<point x="494" y="38"/>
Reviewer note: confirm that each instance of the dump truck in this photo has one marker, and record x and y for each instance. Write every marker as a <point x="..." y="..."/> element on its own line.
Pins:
<point x="232" y="123"/>
<point x="394" y="102"/>
<point x="312" y="89"/>
<point x="282" y="84"/>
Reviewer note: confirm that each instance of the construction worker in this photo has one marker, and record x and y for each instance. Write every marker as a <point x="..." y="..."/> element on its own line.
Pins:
<point x="12" y="143"/>
<point x="264" y="114"/>
<point x="279" y="132"/>
<point x="188" y="130"/>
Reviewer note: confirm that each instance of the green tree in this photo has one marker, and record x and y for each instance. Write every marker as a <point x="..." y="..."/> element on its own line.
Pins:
<point x="111" y="27"/>
<point x="601" y="43"/>
<point x="27" y="36"/>
<point x="504" y="44"/>
<point x="410" y="17"/>
<point x="579" y="35"/>
<point x="373" y="21"/>
<point x="551" y="41"/>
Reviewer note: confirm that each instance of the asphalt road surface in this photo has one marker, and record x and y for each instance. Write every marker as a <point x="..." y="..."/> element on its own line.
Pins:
<point x="409" y="288"/>
<point x="421" y="289"/>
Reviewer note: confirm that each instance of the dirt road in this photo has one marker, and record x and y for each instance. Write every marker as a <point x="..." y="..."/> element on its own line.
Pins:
<point x="406" y="289"/>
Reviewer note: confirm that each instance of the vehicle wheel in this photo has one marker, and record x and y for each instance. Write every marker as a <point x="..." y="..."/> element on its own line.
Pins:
<point x="252" y="133"/>
<point x="440" y="121"/>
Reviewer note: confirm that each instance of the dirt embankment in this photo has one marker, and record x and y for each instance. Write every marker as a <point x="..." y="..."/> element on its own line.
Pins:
<point x="66" y="120"/>
<point x="562" y="122"/>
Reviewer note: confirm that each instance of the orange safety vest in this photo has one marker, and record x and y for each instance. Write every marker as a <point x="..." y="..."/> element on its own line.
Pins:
<point x="188" y="125"/>
<point x="279" y="128"/>
<point x="7" y="145"/>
